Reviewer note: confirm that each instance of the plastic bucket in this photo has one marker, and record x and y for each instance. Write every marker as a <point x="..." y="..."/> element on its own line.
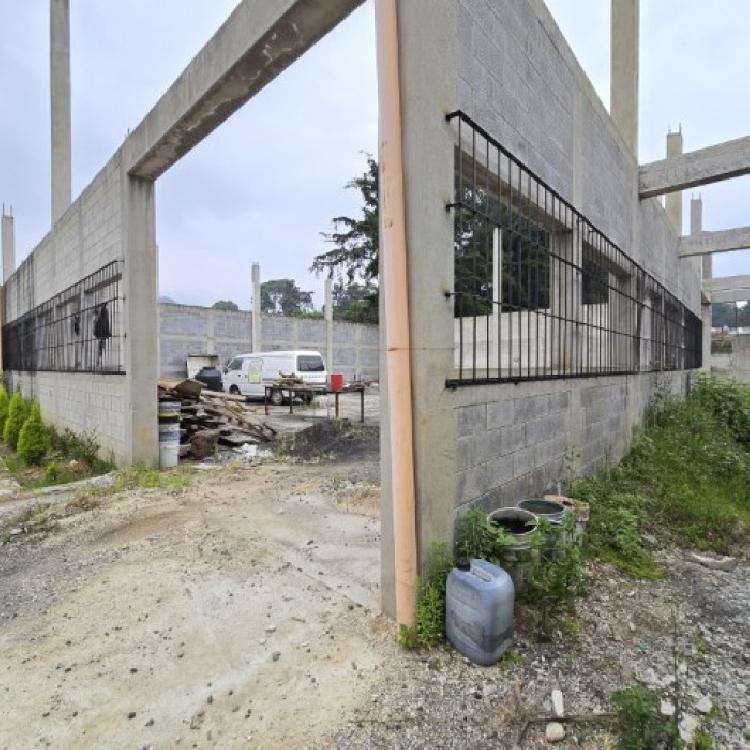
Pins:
<point x="521" y="555"/>
<point x="551" y="510"/>
<point x="169" y="443"/>
<point x="578" y="508"/>
<point x="169" y="409"/>
<point x="337" y="382"/>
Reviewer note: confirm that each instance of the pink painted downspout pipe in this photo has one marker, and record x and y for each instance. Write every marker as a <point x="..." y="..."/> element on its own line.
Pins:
<point x="394" y="286"/>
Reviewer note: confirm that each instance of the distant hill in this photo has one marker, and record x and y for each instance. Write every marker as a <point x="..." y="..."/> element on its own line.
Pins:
<point x="167" y="300"/>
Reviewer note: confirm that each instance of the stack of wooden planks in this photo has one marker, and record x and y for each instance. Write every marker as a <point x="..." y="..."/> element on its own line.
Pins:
<point x="208" y="418"/>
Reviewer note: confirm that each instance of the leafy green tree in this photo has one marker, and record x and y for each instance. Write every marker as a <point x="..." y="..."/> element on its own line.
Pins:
<point x="33" y="440"/>
<point x="355" y="251"/>
<point x="284" y="297"/>
<point x="4" y="404"/>
<point x="225" y="304"/>
<point x="18" y="411"/>
<point x="355" y="302"/>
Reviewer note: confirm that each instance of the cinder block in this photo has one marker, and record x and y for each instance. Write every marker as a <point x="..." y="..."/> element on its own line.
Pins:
<point x="471" y="419"/>
<point x="499" y="414"/>
<point x="513" y="438"/>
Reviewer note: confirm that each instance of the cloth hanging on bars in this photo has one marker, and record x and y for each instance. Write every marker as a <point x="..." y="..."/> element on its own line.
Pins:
<point x="102" y="329"/>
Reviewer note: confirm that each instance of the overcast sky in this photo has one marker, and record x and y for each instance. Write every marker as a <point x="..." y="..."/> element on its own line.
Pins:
<point x="268" y="181"/>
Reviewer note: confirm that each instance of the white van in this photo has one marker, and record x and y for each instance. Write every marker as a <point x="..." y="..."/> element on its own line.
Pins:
<point x="247" y="374"/>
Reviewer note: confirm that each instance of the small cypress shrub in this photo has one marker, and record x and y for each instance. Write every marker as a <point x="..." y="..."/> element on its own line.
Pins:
<point x="4" y="403"/>
<point x="33" y="440"/>
<point x="18" y="411"/>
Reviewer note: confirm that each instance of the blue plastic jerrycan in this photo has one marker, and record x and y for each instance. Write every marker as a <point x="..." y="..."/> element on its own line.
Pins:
<point x="479" y="599"/>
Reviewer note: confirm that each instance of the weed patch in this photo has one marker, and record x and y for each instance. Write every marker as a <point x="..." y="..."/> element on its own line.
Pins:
<point x="685" y="480"/>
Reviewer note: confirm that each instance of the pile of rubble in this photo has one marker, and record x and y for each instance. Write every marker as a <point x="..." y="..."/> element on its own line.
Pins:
<point x="208" y="417"/>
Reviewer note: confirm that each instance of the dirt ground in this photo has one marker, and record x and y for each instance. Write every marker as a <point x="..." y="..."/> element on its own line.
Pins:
<point x="237" y="612"/>
<point x="242" y="611"/>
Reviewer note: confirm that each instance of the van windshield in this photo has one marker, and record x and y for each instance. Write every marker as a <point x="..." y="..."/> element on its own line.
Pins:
<point x="310" y="363"/>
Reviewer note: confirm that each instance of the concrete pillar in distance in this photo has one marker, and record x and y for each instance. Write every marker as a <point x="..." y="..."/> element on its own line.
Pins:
<point x="329" y="326"/>
<point x="673" y="201"/>
<point x="255" y="314"/>
<point x="9" y="245"/>
<point x="696" y="227"/>
<point x="623" y="105"/>
<point x="60" y="106"/>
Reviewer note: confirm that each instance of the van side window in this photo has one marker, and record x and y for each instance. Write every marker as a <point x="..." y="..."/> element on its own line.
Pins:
<point x="309" y="363"/>
<point x="235" y="364"/>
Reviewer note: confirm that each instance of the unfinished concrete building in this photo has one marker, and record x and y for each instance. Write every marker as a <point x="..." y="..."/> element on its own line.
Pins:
<point x="534" y="286"/>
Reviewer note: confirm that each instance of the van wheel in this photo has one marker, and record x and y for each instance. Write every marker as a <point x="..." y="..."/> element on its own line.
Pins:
<point x="277" y="398"/>
<point x="234" y="390"/>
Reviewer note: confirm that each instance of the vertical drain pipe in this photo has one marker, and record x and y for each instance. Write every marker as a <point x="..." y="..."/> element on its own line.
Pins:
<point x="396" y="304"/>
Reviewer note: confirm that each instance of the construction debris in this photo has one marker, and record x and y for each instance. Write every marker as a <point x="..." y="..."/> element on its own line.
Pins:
<point x="209" y="417"/>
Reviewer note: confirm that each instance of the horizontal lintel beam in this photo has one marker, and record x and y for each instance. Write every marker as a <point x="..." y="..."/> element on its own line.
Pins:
<point x="727" y="288"/>
<point x="695" y="168"/>
<point x="257" y="42"/>
<point x="705" y="243"/>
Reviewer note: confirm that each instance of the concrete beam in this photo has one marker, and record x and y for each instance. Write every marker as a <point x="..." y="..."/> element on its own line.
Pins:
<point x="734" y="295"/>
<point x="59" y="61"/>
<point x="705" y="243"/>
<point x="257" y="42"/>
<point x="727" y="289"/>
<point x="701" y="167"/>
<point x="624" y="70"/>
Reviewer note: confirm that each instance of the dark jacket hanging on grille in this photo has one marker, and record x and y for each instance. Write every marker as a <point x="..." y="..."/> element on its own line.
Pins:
<point x="102" y="330"/>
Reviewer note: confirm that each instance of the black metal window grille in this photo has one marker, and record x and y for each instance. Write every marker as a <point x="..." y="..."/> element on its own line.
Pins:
<point x="539" y="291"/>
<point x="77" y="330"/>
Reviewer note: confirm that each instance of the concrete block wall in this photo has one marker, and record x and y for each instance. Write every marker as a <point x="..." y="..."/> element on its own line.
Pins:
<point x="185" y="330"/>
<point x="85" y="238"/>
<point x="513" y="441"/>
<point x="517" y="77"/>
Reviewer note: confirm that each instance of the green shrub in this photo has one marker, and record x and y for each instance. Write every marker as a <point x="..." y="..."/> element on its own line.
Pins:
<point x="33" y="440"/>
<point x="641" y="725"/>
<point x="558" y="577"/>
<point x="429" y="627"/>
<point x="4" y="404"/>
<point x="685" y="480"/>
<point x="18" y="411"/>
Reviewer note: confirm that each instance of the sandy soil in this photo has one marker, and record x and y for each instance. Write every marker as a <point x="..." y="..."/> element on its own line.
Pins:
<point x="218" y="616"/>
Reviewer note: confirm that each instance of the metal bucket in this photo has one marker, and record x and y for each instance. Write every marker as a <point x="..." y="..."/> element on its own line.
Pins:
<point x="519" y="557"/>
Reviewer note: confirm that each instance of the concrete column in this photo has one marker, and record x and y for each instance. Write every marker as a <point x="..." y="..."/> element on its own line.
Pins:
<point x="60" y="106"/>
<point x="329" y="325"/>
<point x="255" y="314"/>
<point x="696" y="227"/>
<point x="141" y="320"/>
<point x="623" y="105"/>
<point x="9" y="245"/>
<point x="673" y="201"/>
<point x="429" y="85"/>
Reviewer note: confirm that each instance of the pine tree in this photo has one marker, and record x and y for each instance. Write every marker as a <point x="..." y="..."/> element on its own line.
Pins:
<point x="18" y="411"/>
<point x="33" y="441"/>
<point x="4" y="404"/>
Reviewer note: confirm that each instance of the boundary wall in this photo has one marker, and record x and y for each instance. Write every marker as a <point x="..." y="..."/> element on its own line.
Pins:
<point x="187" y="329"/>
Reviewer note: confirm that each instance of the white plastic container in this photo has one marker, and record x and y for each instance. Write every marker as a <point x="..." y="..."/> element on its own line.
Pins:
<point x="169" y="444"/>
<point x="479" y="599"/>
